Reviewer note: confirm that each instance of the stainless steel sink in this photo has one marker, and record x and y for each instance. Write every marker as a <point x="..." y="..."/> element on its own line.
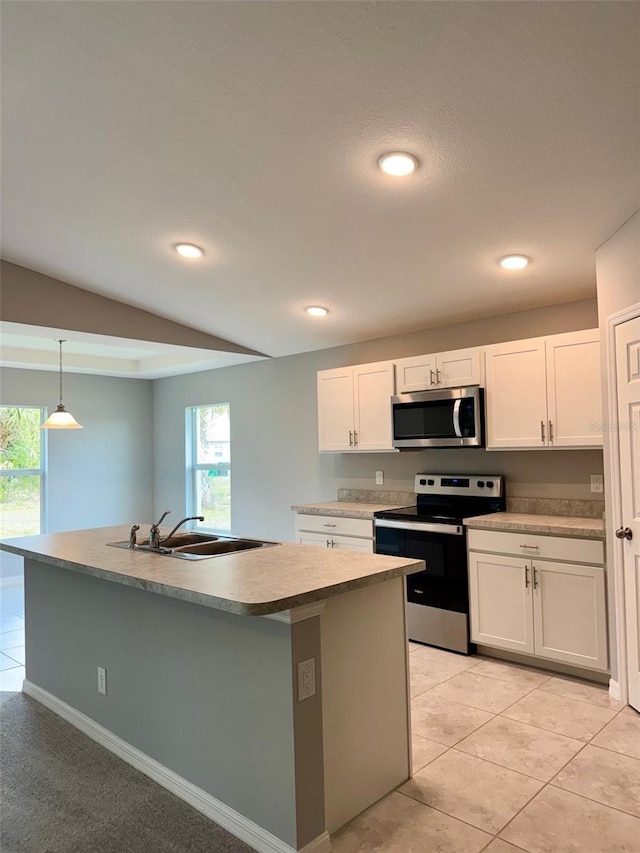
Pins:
<point x="197" y="546"/>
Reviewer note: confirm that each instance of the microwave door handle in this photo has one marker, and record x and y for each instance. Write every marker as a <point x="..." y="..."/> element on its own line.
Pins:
<point x="456" y="418"/>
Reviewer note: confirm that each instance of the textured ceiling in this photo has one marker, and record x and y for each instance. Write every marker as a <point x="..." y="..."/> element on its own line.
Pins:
<point x="253" y="129"/>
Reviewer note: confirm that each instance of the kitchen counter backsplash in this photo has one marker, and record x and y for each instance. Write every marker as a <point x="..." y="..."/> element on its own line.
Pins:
<point x="556" y="506"/>
<point x="377" y="496"/>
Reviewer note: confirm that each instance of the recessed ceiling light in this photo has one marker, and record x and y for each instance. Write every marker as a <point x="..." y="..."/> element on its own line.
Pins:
<point x="398" y="163"/>
<point x="514" y="262"/>
<point x="189" y="250"/>
<point x="317" y="311"/>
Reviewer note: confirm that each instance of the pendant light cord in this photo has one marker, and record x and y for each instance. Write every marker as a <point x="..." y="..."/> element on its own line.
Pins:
<point x="60" y="342"/>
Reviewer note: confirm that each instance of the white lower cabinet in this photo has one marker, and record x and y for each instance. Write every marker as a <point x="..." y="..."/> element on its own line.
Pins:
<point x="500" y="598"/>
<point x="343" y="533"/>
<point x="553" y="610"/>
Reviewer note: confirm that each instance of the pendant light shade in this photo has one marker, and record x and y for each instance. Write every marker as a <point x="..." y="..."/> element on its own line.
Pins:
<point x="61" y="418"/>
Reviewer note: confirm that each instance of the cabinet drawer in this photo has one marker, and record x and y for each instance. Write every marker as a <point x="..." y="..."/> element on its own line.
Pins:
<point x="534" y="545"/>
<point x="332" y="524"/>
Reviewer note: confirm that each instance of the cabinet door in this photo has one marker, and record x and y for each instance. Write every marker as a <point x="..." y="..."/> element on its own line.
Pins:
<point x="373" y="387"/>
<point x="500" y="598"/>
<point x="321" y="540"/>
<point x="350" y="543"/>
<point x="416" y="374"/>
<point x="458" y="368"/>
<point x="570" y="613"/>
<point x="516" y="394"/>
<point x="335" y="409"/>
<point x="573" y="389"/>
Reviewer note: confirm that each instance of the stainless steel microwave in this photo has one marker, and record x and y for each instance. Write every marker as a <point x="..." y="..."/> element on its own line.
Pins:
<point x="452" y="417"/>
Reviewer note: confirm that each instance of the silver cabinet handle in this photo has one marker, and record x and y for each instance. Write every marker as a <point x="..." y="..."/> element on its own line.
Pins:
<point x="333" y="544"/>
<point x="437" y="377"/>
<point x="531" y="547"/>
<point x="432" y="375"/>
<point x="350" y="438"/>
<point x="355" y="438"/>
<point x="542" y="431"/>
<point x="526" y="576"/>
<point x="328" y="543"/>
<point x="329" y="525"/>
<point x="550" y="432"/>
<point x="535" y="578"/>
<point x="624" y="533"/>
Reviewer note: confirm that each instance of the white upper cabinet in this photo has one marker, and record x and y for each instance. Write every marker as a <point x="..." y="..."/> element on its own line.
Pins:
<point x="516" y="395"/>
<point x="544" y="392"/>
<point x="574" y="390"/>
<point x="354" y="408"/>
<point x="439" y="370"/>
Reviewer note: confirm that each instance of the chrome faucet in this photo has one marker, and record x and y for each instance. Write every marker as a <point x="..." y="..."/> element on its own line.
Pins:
<point x="154" y="531"/>
<point x="179" y="524"/>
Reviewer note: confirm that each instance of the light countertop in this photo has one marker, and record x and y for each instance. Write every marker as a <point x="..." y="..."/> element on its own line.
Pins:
<point x="551" y="525"/>
<point x="344" y="509"/>
<point x="253" y="583"/>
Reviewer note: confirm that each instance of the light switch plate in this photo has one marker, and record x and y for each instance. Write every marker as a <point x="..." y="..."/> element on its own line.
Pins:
<point x="379" y="478"/>
<point x="597" y="483"/>
<point x="102" y="681"/>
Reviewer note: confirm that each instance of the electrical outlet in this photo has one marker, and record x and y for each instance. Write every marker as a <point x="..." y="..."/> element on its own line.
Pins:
<point x="379" y="478"/>
<point x="597" y="483"/>
<point x="306" y="679"/>
<point x="102" y="680"/>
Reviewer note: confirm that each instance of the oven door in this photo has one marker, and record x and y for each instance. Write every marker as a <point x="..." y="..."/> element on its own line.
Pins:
<point x="443" y="547"/>
<point x="449" y="418"/>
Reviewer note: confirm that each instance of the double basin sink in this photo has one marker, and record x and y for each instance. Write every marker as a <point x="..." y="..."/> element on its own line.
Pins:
<point x="197" y="546"/>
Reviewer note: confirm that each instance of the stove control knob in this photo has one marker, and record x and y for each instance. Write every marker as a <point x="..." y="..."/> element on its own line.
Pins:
<point x="480" y="484"/>
<point x="489" y="484"/>
<point x="431" y="482"/>
<point x="423" y="482"/>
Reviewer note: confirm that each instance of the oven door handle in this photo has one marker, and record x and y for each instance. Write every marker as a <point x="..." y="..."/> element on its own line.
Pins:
<point x="456" y="418"/>
<point x="427" y="527"/>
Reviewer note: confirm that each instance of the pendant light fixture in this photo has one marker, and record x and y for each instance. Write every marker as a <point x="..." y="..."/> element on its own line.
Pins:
<point x="61" y="418"/>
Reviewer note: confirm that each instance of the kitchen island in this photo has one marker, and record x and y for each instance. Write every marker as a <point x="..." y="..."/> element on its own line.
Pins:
<point x="208" y="666"/>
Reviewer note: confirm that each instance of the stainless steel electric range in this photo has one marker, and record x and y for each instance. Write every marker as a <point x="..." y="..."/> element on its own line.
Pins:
<point x="433" y="531"/>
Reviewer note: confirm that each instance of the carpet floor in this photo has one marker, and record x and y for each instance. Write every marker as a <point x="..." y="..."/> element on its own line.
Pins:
<point x="63" y="793"/>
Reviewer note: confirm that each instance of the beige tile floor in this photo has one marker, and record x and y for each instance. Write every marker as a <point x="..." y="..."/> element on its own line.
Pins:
<point x="11" y="636"/>
<point x="508" y="759"/>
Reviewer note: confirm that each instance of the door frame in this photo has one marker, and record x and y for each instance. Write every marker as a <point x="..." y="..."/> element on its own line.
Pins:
<point x="618" y="689"/>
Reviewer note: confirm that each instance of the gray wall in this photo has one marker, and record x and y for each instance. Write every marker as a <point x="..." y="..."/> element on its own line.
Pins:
<point x="173" y="689"/>
<point x="102" y="474"/>
<point x="274" y="456"/>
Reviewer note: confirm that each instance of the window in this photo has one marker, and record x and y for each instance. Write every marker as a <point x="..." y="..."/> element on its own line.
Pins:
<point x="22" y="471"/>
<point x="209" y="466"/>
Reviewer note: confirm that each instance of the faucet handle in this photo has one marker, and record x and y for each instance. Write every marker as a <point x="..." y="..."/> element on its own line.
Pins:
<point x="162" y="517"/>
<point x="132" y="535"/>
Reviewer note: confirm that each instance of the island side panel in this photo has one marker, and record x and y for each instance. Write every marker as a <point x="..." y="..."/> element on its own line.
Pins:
<point x="308" y="737"/>
<point x="204" y="692"/>
<point x="366" y="713"/>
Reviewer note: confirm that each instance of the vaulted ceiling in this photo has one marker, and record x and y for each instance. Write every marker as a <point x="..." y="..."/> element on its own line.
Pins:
<point x="253" y="129"/>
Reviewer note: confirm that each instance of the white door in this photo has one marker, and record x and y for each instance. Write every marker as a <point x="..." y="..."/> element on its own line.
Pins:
<point x="628" y="387"/>
<point x="417" y="373"/>
<point x="372" y="391"/>
<point x="321" y="540"/>
<point x="335" y="409"/>
<point x="458" y="368"/>
<point x="516" y="393"/>
<point x="574" y="389"/>
<point x="570" y="613"/>
<point x="351" y="543"/>
<point x="500" y="601"/>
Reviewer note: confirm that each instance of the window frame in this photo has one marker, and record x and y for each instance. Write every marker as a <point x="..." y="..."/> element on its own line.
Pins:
<point x="30" y="472"/>
<point x="193" y="466"/>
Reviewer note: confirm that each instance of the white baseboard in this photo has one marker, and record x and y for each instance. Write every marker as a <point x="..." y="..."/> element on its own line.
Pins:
<point x="243" y="828"/>
<point x="614" y="690"/>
